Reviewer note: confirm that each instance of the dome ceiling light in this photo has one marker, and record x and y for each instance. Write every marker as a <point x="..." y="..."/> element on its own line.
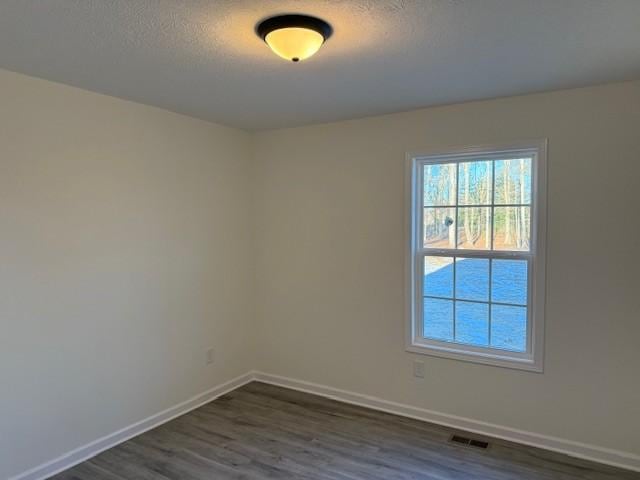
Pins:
<point x="294" y="37"/>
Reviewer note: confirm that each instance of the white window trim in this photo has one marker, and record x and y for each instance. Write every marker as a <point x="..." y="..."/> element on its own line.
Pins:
<point x="532" y="360"/>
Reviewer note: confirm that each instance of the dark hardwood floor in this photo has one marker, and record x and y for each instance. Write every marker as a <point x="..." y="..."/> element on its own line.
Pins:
<point x="264" y="432"/>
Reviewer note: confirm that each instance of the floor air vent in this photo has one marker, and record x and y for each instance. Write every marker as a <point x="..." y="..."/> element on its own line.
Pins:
<point x="469" y="442"/>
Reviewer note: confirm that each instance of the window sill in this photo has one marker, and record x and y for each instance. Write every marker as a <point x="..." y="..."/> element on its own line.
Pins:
<point x="455" y="352"/>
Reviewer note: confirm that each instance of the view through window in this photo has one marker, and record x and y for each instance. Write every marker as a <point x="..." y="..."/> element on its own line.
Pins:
<point x="475" y="255"/>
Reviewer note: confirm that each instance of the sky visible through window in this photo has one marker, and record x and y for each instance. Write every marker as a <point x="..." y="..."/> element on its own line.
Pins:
<point x="477" y="205"/>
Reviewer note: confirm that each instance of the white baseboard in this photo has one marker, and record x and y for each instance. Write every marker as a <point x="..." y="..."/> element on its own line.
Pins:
<point x="92" y="449"/>
<point x="584" y="451"/>
<point x="607" y="456"/>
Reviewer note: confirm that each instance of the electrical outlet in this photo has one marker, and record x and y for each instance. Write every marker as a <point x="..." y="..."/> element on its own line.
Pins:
<point x="418" y="369"/>
<point x="211" y="356"/>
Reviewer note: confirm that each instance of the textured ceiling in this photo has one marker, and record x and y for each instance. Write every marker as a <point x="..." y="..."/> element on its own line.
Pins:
<point x="203" y="59"/>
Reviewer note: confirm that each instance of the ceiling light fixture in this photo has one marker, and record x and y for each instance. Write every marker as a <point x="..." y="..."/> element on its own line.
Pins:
<point x="294" y="37"/>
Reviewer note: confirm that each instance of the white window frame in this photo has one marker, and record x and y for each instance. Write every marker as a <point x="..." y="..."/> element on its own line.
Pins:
<point x="532" y="358"/>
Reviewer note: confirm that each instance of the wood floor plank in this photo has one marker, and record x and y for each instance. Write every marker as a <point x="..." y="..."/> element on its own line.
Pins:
<point x="261" y="432"/>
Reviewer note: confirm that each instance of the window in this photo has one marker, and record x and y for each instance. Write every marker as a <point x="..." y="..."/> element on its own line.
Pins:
<point x="476" y="254"/>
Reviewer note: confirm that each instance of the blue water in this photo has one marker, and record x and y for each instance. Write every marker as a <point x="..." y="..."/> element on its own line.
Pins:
<point x="508" y="326"/>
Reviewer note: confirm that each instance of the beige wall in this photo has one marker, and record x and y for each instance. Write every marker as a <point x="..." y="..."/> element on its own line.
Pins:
<point x="124" y="234"/>
<point x="330" y="257"/>
<point x="132" y="239"/>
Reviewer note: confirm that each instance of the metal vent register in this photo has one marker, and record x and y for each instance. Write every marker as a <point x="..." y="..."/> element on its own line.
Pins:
<point x="469" y="442"/>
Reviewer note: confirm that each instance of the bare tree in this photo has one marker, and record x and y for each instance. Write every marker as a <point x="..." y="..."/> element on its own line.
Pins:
<point x="451" y="226"/>
<point x="508" y="236"/>
<point x="487" y="198"/>
<point x="523" y="239"/>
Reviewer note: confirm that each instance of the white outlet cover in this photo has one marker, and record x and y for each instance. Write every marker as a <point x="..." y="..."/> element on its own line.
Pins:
<point x="210" y="356"/>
